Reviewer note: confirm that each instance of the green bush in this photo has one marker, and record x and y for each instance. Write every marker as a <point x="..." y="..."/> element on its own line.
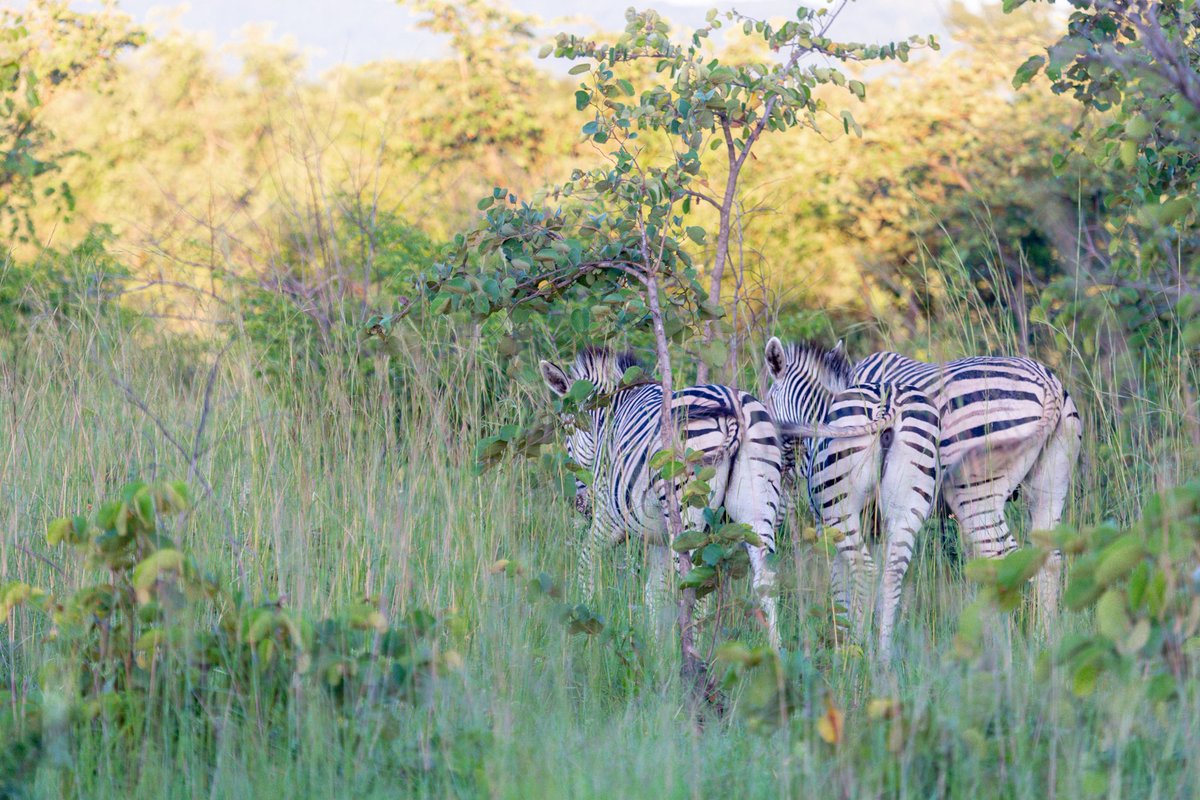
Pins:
<point x="155" y="644"/>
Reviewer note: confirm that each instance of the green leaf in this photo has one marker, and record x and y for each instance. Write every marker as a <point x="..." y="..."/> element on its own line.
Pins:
<point x="671" y="469"/>
<point x="696" y="234"/>
<point x="1083" y="682"/>
<point x="545" y="51"/>
<point x="981" y="570"/>
<point x="1137" y="638"/>
<point x="582" y="99"/>
<point x="1111" y="619"/>
<point x="715" y="353"/>
<point x="579" y="69"/>
<point x="698" y="577"/>
<point x="1019" y="566"/>
<point x="151" y="568"/>
<point x="1118" y="559"/>
<point x="634" y="373"/>
<point x="1081" y="592"/>
<point x="1171" y="211"/>
<point x="580" y="390"/>
<point x="712" y="554"/>
<point x="661" y="458"/>
<point x="1138" y="128"/>
<point x="1027" y="71"/>
<point x="849" y="124"/>
<point x="1137" y="585"/>
<point x="59" y="530"/>
<point x="689" y="540"/>
<point x="858" y="88"/>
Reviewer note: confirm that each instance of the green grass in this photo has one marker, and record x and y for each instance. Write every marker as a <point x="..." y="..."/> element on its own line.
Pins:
<point x="323" y="494"/>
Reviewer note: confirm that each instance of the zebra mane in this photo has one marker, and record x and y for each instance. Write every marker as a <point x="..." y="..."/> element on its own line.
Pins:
<point x="830" y="367"/>
<point x="602" y="366"/>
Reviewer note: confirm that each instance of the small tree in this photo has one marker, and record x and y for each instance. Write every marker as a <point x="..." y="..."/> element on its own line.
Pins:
<point x="45" y="51"/>
<point x="1135" y="64"/>
<point x="614" y="242"/>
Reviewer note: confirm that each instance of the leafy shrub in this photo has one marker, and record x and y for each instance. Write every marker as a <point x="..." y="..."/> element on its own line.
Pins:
<point x="155" y="627"/>
<point x="309" y="305"/>
<point x="67" y="285"/>
<point x="1142" y="582"/>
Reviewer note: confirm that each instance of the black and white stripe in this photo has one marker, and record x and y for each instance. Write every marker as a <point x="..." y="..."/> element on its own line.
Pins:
<point x="1016" y="407"/>
<point x="879" y="441"/>
<point x="998" y="423"/>
<point x="730" y="428"/>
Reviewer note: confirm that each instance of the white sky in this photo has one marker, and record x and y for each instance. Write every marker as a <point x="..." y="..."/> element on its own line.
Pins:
<point x="334" y="32"/>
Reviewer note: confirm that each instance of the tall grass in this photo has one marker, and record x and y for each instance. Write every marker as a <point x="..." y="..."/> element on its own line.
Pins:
<point x="331" y="484"/>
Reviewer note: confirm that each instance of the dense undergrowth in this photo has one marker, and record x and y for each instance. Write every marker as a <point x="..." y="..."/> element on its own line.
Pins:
<point x="349" y="494"/>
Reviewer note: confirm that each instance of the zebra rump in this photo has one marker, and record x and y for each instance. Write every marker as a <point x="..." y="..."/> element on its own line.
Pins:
<point x="729" y="429"/>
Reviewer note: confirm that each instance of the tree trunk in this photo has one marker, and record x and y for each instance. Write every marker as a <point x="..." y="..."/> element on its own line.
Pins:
<point x="692" y="668"/>
<point x="722" y="254"/>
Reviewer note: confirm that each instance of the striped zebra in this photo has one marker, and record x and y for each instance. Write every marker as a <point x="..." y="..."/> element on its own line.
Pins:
<point x="1003" y="423"/>
<point x="627" y="498"/>
<point x="986" y="399"/>
<point x="886" y="449"/>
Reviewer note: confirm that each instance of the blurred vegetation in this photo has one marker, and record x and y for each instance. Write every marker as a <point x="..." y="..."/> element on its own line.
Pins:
<point x="221" y="182"/>
<point x="195" y="238"/>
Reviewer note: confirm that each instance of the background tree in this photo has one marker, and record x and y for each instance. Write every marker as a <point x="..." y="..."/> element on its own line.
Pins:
<point x="46" y="50"/>
<point x="1136" y="66"/>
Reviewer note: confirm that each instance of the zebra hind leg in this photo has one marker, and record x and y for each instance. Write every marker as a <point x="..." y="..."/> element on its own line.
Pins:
<point x="843" y="481"/>
<point x="752" y="496"/>
<point x="1046" y="488"/>
<point x="860" y="571"/>
<point x="905" y="501"/>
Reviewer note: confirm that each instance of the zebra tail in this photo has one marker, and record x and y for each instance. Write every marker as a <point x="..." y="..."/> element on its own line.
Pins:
<point x="799" y="429"/>
<point x="692" y="413"/>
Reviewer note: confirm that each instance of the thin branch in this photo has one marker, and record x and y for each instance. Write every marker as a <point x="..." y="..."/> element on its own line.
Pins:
<point x="207" y="406"/>
<point x="712" y="201"/>
<point x="39" y="557"/>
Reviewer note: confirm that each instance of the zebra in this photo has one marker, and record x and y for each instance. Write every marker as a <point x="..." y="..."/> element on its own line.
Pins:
<point x="1003" y="423"/>
<point x="887" y="437"/>
<point x="627" y="498"/>
<point x="1022" y="408"/>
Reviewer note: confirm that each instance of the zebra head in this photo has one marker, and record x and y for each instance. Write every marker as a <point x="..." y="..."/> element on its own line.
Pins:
<point x="601" y="367"/>
<point x="804" y="378"/>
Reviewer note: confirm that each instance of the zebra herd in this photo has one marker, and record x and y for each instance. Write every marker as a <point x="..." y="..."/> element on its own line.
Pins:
<point x="888" y="429"/>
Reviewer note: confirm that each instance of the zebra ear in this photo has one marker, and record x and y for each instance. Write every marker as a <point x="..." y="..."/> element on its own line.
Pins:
<point x="776" y="358"/>
<point x="555" y="378"/>
<point x="840" y="346"/>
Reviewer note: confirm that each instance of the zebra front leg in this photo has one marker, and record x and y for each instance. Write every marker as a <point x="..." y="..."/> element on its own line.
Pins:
<point x="593" y="543"/>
